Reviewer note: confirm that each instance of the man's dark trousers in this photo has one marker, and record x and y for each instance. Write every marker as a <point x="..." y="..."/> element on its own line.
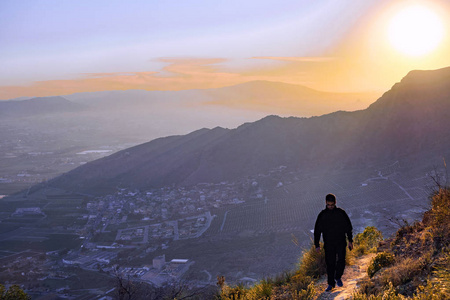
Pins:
<point x="335" y="260"/>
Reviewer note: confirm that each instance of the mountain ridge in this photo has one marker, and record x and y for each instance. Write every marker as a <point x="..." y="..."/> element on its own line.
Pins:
<point x="266" y="96"/>
<point x="386" y="131"/>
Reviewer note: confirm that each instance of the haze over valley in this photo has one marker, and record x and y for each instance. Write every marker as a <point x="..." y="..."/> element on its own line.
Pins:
<point x="44" y="137"/>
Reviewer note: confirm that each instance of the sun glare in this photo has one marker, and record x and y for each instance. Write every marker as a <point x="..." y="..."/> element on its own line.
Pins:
<point x="416" y="31"/>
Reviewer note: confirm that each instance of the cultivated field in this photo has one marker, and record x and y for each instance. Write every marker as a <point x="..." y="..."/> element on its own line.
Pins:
<point x="369" y="199"/>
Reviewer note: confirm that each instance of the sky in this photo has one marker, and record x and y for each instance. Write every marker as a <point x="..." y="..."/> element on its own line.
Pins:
<point x="59" y="47"/>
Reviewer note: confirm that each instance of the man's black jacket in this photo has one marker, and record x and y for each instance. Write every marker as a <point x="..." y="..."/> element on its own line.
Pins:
<point x="334" y="224"/>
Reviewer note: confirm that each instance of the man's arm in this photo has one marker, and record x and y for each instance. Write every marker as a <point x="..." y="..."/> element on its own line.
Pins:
<point x="349" y="231"/>
<point x="317" y="231"/>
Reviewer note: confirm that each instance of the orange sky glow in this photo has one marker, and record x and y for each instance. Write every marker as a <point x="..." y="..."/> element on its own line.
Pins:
<point x="362" y="60"/>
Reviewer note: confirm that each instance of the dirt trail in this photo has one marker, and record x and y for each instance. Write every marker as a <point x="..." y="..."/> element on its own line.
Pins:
<point x="352" y="275"/>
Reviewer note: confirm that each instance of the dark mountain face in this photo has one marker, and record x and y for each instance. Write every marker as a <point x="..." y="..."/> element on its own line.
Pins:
<point x="414" y="116"/>
<point x="410" y="121"/>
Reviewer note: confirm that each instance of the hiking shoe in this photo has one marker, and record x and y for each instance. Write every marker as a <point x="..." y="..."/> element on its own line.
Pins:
<point x="339" y="283"/>
<point x="329" y="288"/>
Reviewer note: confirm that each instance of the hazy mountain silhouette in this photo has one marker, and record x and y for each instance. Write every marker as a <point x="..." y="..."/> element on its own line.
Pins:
<point x="264" y="96"/>
<point x="287" y="99"/>
<point x="410" y="121"/>
<point x="38" y="106"/>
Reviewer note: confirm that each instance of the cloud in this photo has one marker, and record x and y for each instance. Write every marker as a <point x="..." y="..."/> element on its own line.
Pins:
<point x="183" y="74"/>
<point x="179" y="74"/>
<point x="297" y="59"/>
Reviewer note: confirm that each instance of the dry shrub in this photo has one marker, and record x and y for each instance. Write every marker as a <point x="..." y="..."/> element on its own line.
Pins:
<point x="300" y="288"/>
<point x="441" y="279"/>
<point x="312" y="263"/>
<point x="288" y="293"/>
<point x="381" y="260"/>
<point x="283" y="278"/>
<point x="404" y="234"/>
<point x="432" y="291"/>
<point x="440" y="218"/>
<point x="389" y="293"/>
<point x="423" y="272"/>
<point x="440" y="209"/>
<point x="232" y="293"/>
<point x="300" y="282"/>
<point x="404" y="271"/>
<point x="263" y="290"/>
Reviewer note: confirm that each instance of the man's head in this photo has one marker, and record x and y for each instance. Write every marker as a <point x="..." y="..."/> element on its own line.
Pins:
<point x="330" y="200"/>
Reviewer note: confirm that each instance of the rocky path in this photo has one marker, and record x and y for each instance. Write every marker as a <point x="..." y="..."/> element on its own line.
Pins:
<point x="352" y="275"/>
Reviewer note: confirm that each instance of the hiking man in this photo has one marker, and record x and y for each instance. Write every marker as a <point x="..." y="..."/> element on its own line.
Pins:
<point x="334" y="223"/>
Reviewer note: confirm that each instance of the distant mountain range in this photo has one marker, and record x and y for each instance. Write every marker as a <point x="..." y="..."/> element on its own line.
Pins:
<point x="264" y="96"/>
<point x="410" y="122"/>
<point x="287" y="99"/>
<point x="136" y="116"/>
<point x="38" y="106"/>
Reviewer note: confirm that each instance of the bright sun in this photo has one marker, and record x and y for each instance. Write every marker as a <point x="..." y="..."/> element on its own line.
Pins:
<point x="415" y="31"/>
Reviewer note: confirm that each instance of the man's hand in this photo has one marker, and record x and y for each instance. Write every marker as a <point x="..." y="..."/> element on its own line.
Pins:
<point x="350" y="246"/>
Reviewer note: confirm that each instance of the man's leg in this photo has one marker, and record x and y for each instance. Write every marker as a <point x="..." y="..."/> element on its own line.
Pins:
<point x="330" y="259"/>
<point x="340" y="264"/>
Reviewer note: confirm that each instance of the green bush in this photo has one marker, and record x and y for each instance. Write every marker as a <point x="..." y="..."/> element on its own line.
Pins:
<point x="367" y="241"/>
<point x="381" y="260"/>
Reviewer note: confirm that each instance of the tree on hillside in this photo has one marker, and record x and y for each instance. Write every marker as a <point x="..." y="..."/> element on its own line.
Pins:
<point x="13" y="293"/>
